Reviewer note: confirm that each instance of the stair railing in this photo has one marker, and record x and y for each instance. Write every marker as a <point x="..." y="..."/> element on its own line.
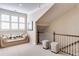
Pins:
<point x="67" y="43"/>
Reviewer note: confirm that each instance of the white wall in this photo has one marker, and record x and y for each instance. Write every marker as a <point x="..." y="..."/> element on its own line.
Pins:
<point x="41" y="37"/>
<point x="34" y="16"/>
<point x="66" y="24"/>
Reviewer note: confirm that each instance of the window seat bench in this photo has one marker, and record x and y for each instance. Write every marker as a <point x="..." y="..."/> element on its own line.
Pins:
<point x="12" y="42"/>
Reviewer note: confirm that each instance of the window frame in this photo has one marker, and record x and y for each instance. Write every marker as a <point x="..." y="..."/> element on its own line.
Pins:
<point x="4" y="27"/>
<point x="13" y="22"/>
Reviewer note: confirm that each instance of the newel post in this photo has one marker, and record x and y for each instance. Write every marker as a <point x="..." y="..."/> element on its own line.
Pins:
<point x="54" y="36"/>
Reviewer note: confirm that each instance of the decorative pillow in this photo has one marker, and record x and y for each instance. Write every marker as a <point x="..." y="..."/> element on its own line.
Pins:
<point x="24" y="35"/>
<point x="4" y="37"/>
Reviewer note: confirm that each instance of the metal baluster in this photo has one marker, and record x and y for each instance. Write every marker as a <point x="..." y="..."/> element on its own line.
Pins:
<point x="75" y="47"/>
<point x="72" y="47"/>
<point x="78" y="48"/>
<point x="59" y="42"/>
<point x="62" y="43"/>
<point x="69" y="46"/>
<point x="66" y="44"/>
<point x="54" y="36"/>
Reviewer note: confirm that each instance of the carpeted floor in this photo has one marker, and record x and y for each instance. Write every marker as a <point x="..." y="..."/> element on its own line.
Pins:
<point x="26" y="50"/>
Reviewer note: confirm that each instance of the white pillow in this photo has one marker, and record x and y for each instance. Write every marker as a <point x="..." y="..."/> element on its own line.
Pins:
<point x="24" y="35"/>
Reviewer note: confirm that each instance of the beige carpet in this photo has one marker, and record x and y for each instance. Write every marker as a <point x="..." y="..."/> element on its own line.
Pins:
<point x="26" y="50"/>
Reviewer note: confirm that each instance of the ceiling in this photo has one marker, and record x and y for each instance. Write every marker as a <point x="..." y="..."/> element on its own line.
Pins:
<point x="55" y="12"/>
<point x="21" y="7"/>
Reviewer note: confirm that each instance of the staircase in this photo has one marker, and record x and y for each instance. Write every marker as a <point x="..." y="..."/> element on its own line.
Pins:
<point x="74" y="47"/>
<point x="68" y="43"/>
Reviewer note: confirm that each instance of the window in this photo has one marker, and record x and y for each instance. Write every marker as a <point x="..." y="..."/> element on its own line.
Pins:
<point x="14" y="26"/>
<point x="11" y="22"/>
<point x="5" y="22"/>
<point x="5" y="17"/>
<point x="14" y="19"/>
<point x="21" y="20"/>
<point x="30" y="25"/>
<point x="5" y="25"/>
<point x="21" y="23"/>
<point x="21" y="26"/>
<point x="14" y="22"/>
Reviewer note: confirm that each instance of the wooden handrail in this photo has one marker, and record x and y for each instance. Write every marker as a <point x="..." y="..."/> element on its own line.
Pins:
<point x="67" y="35"/>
